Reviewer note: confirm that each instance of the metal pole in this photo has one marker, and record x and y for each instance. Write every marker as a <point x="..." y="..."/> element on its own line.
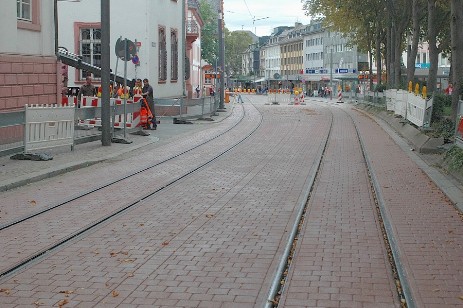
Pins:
<point x="331" y="73"/>
<point x="114" y="91"/>
<point x="105" y="73"/>
<point x="221" y="60"/>
<point x="125" y="85"/>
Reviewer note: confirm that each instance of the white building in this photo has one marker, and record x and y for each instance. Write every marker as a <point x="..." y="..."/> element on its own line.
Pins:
<point x="313" y="51"/>
<point x="158" y="27"/>
<point x="272" y="55"/>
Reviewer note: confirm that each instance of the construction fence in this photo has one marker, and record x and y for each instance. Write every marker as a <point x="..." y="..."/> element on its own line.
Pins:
<point x="40" y="127"/>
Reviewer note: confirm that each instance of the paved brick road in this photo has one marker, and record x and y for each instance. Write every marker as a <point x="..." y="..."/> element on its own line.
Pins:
<point x="215" y="238"/>
<point x="341" y="259"/>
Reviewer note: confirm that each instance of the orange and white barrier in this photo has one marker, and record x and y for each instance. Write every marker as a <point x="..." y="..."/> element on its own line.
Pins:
<point x="130" y="119"/>
<point x="68" y="100"/>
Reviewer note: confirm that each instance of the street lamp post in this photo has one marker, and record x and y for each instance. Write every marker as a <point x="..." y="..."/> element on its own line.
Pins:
<point x="221" y="62"/>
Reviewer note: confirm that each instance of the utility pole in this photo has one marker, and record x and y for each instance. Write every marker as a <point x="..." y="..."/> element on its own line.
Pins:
<point x="105" y="74"/>
<point x="221" y="61"/>
<point x="331" y="72"/>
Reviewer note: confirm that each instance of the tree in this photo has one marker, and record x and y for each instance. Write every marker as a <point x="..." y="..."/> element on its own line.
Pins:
<point x="236" y="43"/>
<point x="456" y="25"/>
<point x="438" y="25"/>
<point x="209" y="37"/>
<point x="418" y="14"/>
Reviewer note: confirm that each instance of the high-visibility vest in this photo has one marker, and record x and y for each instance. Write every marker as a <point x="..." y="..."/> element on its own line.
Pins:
<point x="143" y="116"/>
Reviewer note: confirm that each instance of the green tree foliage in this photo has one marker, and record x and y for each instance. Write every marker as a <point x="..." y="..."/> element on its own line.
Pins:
<point x="236" y="43"/>
<point x="209" y="37"/>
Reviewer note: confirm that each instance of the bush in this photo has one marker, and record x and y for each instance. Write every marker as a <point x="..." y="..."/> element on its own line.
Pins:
<point x="380" y="88"/>
<point x="444" y="128"/>
<point x="454" y="158"/>
<point x="440" y="102"/>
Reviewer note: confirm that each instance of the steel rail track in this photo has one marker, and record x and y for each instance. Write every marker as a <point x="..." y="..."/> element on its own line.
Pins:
<point x="398" y="272"/>
<point x="26" y="262"/>
<point x="109" y="183"/>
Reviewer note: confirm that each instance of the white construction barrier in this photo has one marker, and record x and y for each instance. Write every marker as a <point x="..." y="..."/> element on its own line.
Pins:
<point x="417" y="108"/>
<point x="48" y="126"/>
<point x="401" y="103"/>
<point x="391" y="97"/>
<point x="412" y="107"/>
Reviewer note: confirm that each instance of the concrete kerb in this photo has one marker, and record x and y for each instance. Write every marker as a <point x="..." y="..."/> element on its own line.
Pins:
<point x="420" y="141"/>
<point x="59" y="167"/>
<point x="451" y="188"/>
<point x="66" y="161"/>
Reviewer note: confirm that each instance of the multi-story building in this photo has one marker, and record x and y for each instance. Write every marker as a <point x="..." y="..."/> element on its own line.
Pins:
<point x="156" y="27"/>
<point x="28" y="66"/>
<point x="271" y="57"/>
<point x="194" y="69"/>
<point x="422" y="66"/>
<point x="292" y="57"/>
<point x="313" y="56"/>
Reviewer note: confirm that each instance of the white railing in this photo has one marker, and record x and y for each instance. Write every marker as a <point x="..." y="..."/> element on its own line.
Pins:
<point x="48" y="126"/>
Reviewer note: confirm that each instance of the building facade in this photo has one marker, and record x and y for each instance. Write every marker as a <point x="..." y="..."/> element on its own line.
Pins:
<point x="156" y="27"/>
<point x="28" y="66"/>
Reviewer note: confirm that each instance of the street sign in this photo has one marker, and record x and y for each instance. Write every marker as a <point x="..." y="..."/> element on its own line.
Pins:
<point x="119" y="49"/>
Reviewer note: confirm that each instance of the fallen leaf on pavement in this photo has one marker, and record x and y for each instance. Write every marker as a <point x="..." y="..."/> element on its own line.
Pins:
<point x="63" y="302"/>
<point x="115" y="293"/>
<point x="33" y="202"/>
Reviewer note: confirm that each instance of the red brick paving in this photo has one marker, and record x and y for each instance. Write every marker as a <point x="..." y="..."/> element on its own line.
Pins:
<point x="214" y="240"/>
<point x="427" y="227"/>
<point x="341" y="259"/>
<point x="209" y="240"/>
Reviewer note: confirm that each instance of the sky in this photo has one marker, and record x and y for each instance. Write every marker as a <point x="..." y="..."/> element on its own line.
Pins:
<point x="240" y="14"/>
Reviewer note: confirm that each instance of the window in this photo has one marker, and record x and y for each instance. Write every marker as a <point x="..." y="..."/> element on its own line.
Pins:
<point x="23" y="10"/>
<point x="28" y="14"/>
<point x="162" y="55"/>
<point x="90" y="48"/>
<point x="174" y="55"/>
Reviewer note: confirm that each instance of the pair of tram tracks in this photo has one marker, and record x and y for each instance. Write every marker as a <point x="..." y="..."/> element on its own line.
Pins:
<point x="391" y="246"/>
<point x="29" y="260"/>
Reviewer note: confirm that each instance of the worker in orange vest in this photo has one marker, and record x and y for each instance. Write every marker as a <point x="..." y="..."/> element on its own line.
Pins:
<point x="147" y="118"/>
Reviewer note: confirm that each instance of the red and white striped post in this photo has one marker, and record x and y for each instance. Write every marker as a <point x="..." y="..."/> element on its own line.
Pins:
<point x="340" y="94"/>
